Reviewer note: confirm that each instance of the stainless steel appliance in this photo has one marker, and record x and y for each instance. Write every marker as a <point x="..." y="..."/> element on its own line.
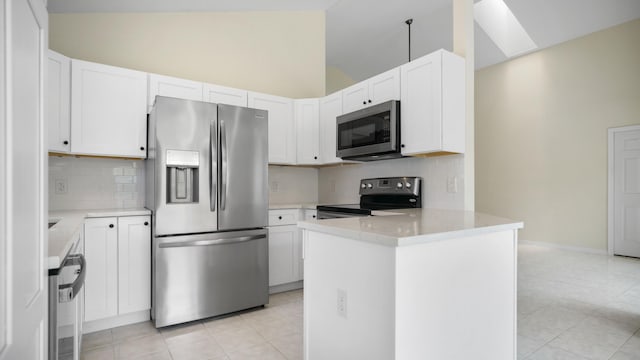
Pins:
<point x="66" y="306"/>
<point x="207" y="189"/>
<point x="378" y="194"/>
<point x="370" y="134"/>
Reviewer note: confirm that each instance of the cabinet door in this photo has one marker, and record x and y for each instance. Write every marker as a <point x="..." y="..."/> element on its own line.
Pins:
<point x="384" y="87"/>
<point x="134" y="264"/>
<point x="355" y="97"/>
<point x="108" y="110"/>
<point x="58" y="102"/>
<point x="282" y="247"/>
<point x="282" y="143"/>
<point x="224" y="95"/>
<point x="330" y="108"/>
<point x="307" y="115"/>
<point x="433" y="104"/>
<point x="101" y="280"/>
<point x="421" y="105"/>
<point x="172" y="87"/>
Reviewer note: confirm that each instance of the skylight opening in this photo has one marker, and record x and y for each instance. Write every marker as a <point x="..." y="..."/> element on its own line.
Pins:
<point x="502" y="26"/>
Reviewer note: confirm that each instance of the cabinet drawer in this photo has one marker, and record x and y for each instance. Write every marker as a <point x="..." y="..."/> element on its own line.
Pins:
<point x="283" y="217"/>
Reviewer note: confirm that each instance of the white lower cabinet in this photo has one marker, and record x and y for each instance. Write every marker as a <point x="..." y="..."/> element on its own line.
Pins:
<point x="118" y="255"/>
<point x="134" y="264"/>
<point x="285" y="247"/>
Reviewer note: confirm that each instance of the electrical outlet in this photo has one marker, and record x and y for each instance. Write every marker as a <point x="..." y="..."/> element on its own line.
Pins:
<point x="342" y="303"/>
<point x="60" y="186"/>
<point x="452" y="184"/>
<point x="274" y="186"/>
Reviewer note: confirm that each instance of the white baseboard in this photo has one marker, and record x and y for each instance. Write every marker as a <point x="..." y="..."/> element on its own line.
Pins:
<point x="286" y="287"/>
<point x="580" y="249"/>
<point x="108" y="323"/>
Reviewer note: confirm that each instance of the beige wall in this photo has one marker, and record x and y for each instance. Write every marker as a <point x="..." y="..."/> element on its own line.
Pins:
<point x="337" y="79"/>
<point x="281" y="53"/>
<point x="541" y="134"/>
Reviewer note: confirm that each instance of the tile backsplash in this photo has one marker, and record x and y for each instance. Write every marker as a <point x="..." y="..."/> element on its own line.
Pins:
<point x="442" y="179"/>
<point x="95" y="183"/>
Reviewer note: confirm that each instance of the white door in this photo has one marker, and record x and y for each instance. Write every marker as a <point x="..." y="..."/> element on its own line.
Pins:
<point x="307" y="119"/>
<point x="355" y="97"/>
<point x="626" y="192"/>
<point x="23" y="181"/>
<point x="282" y="141"/>
<point x="172" y="87"/>
<point x="330" y="109"/>
<point x="134" y="264"/>
<point x="101" y="280"/>
<point x="282" y="254"/>
<point x="384" y="87"/>
<point x="224" y="95"/>
<point x="58" y="114"/>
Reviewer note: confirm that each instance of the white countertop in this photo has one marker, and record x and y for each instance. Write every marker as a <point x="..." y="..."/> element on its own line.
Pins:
<point x="412" y="226"/>
<point x="66" y="231"/>
<point x="306" y="206"/>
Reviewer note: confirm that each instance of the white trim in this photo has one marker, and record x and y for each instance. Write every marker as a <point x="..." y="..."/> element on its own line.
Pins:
<point x="610" y="181"/>
<point x="579" y="249"/>
<point x="115" y="321"/>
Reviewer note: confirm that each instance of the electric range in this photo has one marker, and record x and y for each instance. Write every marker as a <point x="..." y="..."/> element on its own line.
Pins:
<point x="378" y="194"/>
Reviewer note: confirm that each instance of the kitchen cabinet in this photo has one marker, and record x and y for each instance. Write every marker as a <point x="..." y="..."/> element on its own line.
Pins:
<point x="375" y="90"/>
<point x="433" y="104"/>
<point x="118" y="255"/>
<point x="59" y="102"/>
<point x="172" y="87"/>
<point x="134" y="264"/>
<point x="307" y="123"/>
<point x="330" y="108"/>
<point x="285" y="247"/>
<point x="108" y="110"/>
<point x="224" y="95"/>
<point x="101" y="280"/>
<point x="282" y="142"/>
<point x="310" y="214"/>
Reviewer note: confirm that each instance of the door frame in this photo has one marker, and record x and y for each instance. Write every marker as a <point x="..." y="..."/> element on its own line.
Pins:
<point x="610" y="181"/>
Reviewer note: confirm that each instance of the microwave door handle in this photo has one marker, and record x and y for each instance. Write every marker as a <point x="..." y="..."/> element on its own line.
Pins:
<point x="68" y="292"/>
<point x="213" y="153"/>
<point x="223" y="171"/>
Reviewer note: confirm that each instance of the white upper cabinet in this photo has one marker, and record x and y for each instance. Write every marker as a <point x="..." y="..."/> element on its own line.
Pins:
<point x="307" y="121"/>
<point x="282" y="142"/>
<point x="59" y="102"/>
<point x="330" y="108"/>
<point x="172" y="87"/>
<point x="375" y="90"/>
<point x="108" y="110"/>
<point x="224" y="95"/>
<point x="433" y="104"/>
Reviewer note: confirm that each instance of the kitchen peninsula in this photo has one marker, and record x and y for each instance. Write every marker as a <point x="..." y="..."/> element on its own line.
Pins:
<point x="410" y="284"/>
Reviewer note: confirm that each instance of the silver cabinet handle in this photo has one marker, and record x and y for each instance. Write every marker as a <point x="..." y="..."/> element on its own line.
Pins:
<point x="211" y="242"/>
<point x="223" y="172"/>
<point x="213" y="174"/>
<point x="67" y="292"/>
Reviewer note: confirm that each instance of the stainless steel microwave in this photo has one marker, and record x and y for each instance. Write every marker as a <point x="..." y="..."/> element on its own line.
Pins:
<point x="369" y="134"/>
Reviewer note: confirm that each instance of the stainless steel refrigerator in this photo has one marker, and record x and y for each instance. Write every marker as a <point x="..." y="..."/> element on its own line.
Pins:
<point x="207" y="188"/>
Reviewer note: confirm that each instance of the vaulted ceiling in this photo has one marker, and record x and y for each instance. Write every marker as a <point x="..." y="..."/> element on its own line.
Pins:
<point x="366" y="37"/>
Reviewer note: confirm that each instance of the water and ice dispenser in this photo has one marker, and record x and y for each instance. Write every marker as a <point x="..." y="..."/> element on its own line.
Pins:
<point x="182" y="176"/>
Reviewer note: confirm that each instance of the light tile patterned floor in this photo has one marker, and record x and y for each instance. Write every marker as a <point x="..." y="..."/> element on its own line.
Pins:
<point x="576" y="306"/>
<point x="571" y="306"/>
<point x="274" y="332"/>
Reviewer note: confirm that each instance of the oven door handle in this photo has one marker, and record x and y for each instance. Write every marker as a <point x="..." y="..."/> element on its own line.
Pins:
<point x="67" y="292"/>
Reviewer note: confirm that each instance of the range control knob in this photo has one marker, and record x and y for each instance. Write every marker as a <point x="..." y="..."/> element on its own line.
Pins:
<point x="369" y="186"/>
<point x="399" y="185"/>
<point x="363" y="185"/>
<point x="407" y="185"/>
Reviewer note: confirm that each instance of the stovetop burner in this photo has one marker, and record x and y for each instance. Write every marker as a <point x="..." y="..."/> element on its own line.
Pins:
<point x="378" y="194"/>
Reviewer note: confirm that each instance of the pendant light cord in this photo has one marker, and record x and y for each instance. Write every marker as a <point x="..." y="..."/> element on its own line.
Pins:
<point x="409" y="22"/>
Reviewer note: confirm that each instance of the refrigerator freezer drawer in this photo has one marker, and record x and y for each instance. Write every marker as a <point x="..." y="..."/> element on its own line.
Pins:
<point x="199" y="276"/>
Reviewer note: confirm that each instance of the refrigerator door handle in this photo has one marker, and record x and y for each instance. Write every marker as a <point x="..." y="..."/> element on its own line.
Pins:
<point x="211" y="242"/>
<point x="223" y="171"/>
<point x="213" y="177"/>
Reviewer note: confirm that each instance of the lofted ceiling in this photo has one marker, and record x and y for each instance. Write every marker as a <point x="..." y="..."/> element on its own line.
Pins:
<point x="366" y="37"/>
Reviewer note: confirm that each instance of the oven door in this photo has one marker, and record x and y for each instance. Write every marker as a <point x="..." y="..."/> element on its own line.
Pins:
<point x="369" y="132"/>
